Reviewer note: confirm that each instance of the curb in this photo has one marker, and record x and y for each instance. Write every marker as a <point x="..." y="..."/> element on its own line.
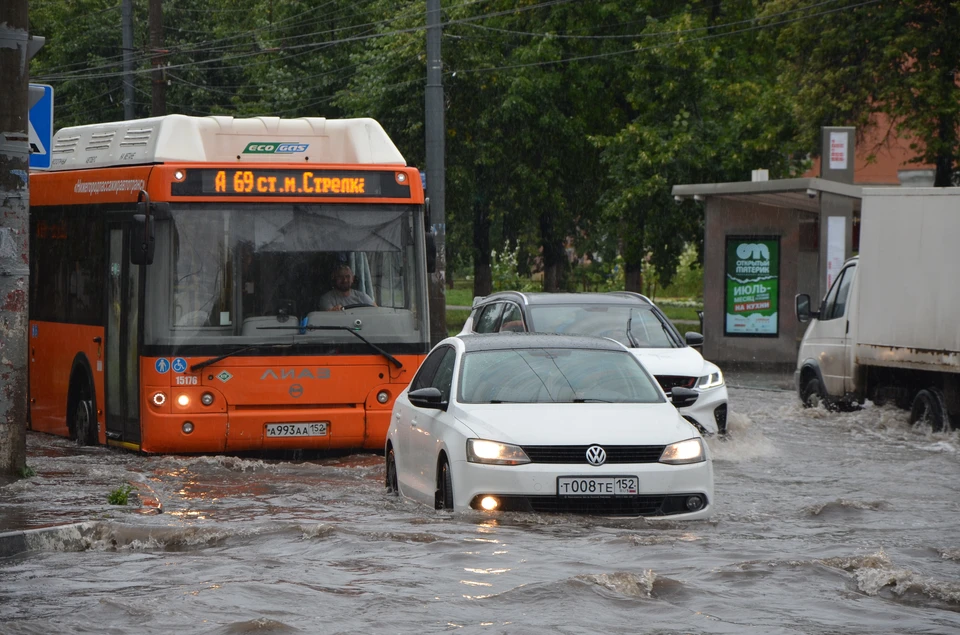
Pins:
<point x="72" y="537"/>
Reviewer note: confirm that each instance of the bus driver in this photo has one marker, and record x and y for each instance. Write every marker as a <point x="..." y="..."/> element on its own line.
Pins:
<point x="343" y="294"/>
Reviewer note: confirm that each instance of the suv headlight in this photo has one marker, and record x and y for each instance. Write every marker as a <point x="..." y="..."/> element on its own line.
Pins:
<point x="713" y="380"/>
<point x="683" y="452"/>
<point x="493" y="453"/>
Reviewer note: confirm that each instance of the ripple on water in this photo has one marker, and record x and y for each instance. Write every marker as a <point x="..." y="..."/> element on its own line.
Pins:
<point x="875" y="574"/>
<point x="842" y="506"/>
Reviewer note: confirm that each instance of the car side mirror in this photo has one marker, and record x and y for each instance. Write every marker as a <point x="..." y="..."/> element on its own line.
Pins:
<point x="694" y="339"/>
<point x="804" y="314"/>
<point x="428" y="397"/>
<point x="682" y="397"/>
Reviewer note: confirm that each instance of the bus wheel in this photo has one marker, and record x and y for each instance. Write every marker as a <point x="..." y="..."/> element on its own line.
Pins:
<point x="84" y="424"/>
<point x="929" y="408"/>
<point x="392" y="486"/>
<point x="444" y="487"/>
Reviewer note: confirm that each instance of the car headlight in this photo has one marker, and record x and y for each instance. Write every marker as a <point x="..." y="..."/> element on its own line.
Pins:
<point x="683" y="452"/>
<point x="713" y="380"/>
<point x="493" y="453"/>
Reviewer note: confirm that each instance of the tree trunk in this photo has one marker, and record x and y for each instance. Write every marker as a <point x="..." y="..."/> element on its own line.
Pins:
<point x="14" y="234"/>
<point x="633" y="250"/>
<point x="554" y="255"/>
<point x="482" y="273"/>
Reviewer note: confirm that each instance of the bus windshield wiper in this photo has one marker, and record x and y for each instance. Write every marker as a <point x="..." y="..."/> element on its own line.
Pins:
<point x="310" y="327"/>
<point x="242" y="349"/>
<point x="390" y="357"/>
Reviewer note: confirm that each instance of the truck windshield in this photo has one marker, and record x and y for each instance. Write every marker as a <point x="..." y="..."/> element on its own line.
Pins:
<point x="238" y="275"/>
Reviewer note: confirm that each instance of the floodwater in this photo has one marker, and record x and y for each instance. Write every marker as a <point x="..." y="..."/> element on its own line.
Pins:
<point x="826" y="523"/>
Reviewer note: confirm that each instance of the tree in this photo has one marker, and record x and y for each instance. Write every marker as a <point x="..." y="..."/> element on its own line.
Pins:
<point x="896" y="57"/>
<point x="705" y="107"/>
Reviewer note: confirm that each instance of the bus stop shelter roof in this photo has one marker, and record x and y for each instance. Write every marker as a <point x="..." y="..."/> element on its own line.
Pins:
<point x="802" y="193"/>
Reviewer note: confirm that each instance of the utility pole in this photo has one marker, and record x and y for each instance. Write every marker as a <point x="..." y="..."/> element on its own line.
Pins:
<point x="126" y="25"/>
<point x="436" y="172"/>
<point x="16" y="49"/>
<point x="158" y="92"/>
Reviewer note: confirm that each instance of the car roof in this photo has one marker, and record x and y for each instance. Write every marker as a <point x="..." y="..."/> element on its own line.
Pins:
<point x="624" y="298"/>
<point x="501" y="341"/>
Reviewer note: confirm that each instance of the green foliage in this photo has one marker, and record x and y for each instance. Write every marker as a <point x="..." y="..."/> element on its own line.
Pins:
<point x="895" y="58"/>
<point x="505" y="273"/>
<point x="121" y="495"/>
<point x="26" y="472"/>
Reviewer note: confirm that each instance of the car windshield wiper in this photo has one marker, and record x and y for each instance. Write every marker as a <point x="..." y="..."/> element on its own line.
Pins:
<point x="308" y="327"/>
<point x="590" y="400"/>
<point x="242" y="349"/>
<point x="633" y="341"/>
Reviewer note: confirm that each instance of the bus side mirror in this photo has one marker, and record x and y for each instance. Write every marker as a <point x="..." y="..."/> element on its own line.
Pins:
<point x="142" y="239"/>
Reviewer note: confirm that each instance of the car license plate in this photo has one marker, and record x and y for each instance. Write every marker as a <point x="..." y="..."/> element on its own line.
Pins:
<point x="297" y="429"/>
<point x="597" y="485"/>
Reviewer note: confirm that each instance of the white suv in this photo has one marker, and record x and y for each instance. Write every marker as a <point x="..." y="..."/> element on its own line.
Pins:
<point x="629" y="318"/>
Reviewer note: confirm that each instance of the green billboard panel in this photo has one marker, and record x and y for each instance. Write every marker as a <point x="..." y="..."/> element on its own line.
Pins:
<point x="753" y="286"/>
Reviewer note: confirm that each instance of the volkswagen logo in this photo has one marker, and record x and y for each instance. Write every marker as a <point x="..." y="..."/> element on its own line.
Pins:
<point x="596" y="455"/>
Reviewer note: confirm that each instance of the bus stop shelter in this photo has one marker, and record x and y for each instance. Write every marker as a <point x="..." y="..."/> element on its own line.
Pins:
<point x="765" y="242"/>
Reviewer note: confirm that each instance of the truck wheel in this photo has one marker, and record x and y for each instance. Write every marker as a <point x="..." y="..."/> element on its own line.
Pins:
<point x="811" y="395"/>
<point x="929" y="408"/>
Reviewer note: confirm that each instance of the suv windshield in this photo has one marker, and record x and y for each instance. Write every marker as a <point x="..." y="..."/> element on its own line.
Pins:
<point x="647" y="327"/>
<point x="554" y="375"/>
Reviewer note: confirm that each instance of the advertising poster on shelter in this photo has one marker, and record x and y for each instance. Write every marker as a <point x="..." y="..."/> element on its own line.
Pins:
<point x="753" y="286"/>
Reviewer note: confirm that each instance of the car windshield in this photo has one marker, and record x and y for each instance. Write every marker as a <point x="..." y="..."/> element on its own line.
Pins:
<point x="554" y="375"/>
<point x="646" y="327"/>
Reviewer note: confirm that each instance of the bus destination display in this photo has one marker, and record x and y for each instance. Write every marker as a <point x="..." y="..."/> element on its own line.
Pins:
<point x="306" y="182"/>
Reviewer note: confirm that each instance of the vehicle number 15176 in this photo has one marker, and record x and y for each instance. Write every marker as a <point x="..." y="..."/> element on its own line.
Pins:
<point x="597" y="485"/>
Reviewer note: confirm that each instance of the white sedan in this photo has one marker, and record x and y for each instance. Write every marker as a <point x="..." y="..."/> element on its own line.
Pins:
<point x="537" y="422"/>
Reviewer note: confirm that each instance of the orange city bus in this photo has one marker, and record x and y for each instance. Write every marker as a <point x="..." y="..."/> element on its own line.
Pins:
<point x="177" y="266"/>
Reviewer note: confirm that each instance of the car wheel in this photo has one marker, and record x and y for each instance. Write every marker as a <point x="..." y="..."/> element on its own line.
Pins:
<point x="444" y="487"/>
<point x="811" y="395"/>
<point x="392" y="486"/>
<point x="929" y="408"/>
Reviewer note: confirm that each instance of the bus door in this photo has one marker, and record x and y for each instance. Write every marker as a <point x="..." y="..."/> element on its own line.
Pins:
<point x="123" y="340"/>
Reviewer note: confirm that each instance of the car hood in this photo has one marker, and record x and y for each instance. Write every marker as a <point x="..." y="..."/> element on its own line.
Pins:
<point x="576" y="424"/>
<point x="685" y="362"/>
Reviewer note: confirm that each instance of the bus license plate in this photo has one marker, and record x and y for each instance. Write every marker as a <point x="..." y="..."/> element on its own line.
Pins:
<point x="597" y="485"/>
<point x="297" y="429"/>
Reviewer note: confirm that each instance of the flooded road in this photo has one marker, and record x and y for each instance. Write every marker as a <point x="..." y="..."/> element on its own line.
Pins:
<point x="826" y="523"/>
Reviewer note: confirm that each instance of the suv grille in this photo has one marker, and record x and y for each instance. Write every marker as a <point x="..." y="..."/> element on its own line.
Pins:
<point x="668" y="382"/>
<point x="577" y="454"/>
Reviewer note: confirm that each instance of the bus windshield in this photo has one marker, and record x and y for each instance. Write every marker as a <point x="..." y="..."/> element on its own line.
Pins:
<point x="242" y="274"/>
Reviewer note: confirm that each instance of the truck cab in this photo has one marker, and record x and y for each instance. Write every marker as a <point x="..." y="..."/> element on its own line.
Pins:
<point x="826" y="365"/>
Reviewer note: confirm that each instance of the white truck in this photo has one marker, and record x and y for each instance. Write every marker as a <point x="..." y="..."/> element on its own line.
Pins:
<point x="888" y="329"/>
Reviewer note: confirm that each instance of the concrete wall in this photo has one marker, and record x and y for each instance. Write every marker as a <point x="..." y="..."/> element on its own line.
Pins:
<point x="798" y="270"/>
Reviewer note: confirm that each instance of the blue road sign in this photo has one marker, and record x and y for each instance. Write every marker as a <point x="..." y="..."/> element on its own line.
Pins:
<point x="40" y="118"/>
<point x="162" y="365"/>
<point x="179" y="365"/>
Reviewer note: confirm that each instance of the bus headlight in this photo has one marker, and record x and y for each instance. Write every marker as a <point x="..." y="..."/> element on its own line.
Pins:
<point x="183" y="401"/>
<point x="158" y="399"/>
<point x="383" y="396"/>
<point x="206" y="398"/>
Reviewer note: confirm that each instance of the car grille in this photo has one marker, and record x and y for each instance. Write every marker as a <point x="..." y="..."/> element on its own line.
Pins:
<point x="648" y="505"/>
<point x="577" y="454"/>
<point x="669" y="382"/>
